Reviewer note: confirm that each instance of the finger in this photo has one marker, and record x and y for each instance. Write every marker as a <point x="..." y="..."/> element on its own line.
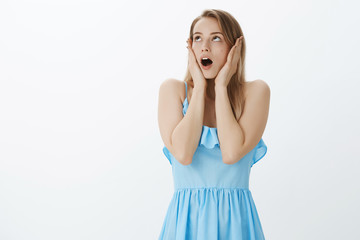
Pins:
<point x="234" y="53"/>
<point x="237" y="54"/>
<point x="238" y="45"/>
<point x="191" y="51"/>
<point x="189" y="42"/>
<point x="240" y="41"/>
<point x="191" y="54"/>
<point x="237" y="57"/>
<point x="189" y="46"/>
<point x="231" y="53"/>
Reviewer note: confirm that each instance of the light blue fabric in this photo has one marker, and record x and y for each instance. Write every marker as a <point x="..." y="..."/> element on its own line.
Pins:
<point x="211" y="199"/>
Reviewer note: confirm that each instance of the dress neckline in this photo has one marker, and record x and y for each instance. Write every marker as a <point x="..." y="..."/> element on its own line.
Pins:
<point x="209" y="127"/>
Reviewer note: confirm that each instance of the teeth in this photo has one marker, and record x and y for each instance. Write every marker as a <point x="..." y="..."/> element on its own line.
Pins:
<point x="206" y="61"/>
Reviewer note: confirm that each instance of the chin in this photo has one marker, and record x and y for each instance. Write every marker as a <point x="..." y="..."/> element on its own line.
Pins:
<point x="210" y="76"/>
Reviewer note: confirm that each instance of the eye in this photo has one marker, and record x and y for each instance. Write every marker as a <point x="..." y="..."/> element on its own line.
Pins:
<point x="196" y="38"/>
<point x="217" y="37"/>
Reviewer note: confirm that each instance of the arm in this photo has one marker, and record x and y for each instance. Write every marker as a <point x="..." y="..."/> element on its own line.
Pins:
<point x="237" y="138"/>
<point x="180" y="134"/>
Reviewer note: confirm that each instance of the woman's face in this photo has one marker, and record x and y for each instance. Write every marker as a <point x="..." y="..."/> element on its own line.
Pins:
<point x="209" y="41"/>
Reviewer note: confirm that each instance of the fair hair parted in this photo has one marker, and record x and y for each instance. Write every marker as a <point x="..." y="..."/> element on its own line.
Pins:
<point x="232" y="30"/>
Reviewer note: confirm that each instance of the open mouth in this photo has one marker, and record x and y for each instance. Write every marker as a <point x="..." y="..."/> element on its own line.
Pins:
<point x="206" y="61"/>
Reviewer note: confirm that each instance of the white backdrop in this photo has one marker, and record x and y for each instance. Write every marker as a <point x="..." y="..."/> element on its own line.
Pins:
<point x="80" y="149"/>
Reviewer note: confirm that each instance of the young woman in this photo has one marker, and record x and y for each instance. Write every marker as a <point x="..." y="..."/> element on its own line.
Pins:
<point x="212" y="125"/>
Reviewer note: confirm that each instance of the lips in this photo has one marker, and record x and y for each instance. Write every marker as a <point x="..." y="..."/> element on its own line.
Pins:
<point x="206" y="61"/>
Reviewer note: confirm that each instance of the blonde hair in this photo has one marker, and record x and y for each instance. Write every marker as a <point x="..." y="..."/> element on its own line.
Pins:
<point x="232" y="30"/>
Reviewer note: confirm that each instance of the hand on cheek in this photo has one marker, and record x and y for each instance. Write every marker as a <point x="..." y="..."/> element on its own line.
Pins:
<point x="231" y="65"/>
<point x="193" y="66"/>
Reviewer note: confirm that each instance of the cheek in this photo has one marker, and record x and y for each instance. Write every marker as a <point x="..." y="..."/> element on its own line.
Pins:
<point x="196" y="47"/>
<point x="196" y="50"/>
<point x="223" y="55"/>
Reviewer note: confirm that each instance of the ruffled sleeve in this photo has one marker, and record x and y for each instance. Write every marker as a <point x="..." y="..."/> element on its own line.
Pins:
<point x="260" y="151"/>
<point x="167" y="154"/>
<point x="209" y="137"/>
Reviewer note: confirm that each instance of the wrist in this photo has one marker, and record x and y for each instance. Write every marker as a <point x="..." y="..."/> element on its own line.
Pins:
<point x="200" y="86"/>
<point x="220" y="87"/>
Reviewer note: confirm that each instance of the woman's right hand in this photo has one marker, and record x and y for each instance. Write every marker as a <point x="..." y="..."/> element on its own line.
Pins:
<point x="194" y="68"/>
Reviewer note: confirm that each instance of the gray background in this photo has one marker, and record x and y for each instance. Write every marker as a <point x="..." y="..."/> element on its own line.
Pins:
<point x="80" y="149"/>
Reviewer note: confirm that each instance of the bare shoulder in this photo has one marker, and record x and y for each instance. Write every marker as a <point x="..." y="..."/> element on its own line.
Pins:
<point x="174" y="86"/>
<point x="170" y="82"/>
<point x="256" y="87"/>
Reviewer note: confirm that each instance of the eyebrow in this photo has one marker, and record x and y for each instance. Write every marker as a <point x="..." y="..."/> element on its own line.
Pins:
<point x="210" y="33"/>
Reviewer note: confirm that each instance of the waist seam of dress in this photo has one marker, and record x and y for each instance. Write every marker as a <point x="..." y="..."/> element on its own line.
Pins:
<point x="211" y="188"/>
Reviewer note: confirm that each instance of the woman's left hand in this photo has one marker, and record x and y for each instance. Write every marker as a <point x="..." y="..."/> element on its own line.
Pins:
<point x="231" y="65"/>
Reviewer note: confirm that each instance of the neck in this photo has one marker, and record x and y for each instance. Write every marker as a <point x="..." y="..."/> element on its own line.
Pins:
<point x="210" y="89"/>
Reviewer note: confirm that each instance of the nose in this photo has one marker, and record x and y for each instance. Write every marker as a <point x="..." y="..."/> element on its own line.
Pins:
<point x="205" y="46"/>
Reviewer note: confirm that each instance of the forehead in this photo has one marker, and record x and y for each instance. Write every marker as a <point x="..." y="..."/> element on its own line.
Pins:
<point x="207" y="25"/>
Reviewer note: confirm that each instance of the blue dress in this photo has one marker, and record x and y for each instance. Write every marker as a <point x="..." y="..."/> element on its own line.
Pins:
<point x="211" y="199"/>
